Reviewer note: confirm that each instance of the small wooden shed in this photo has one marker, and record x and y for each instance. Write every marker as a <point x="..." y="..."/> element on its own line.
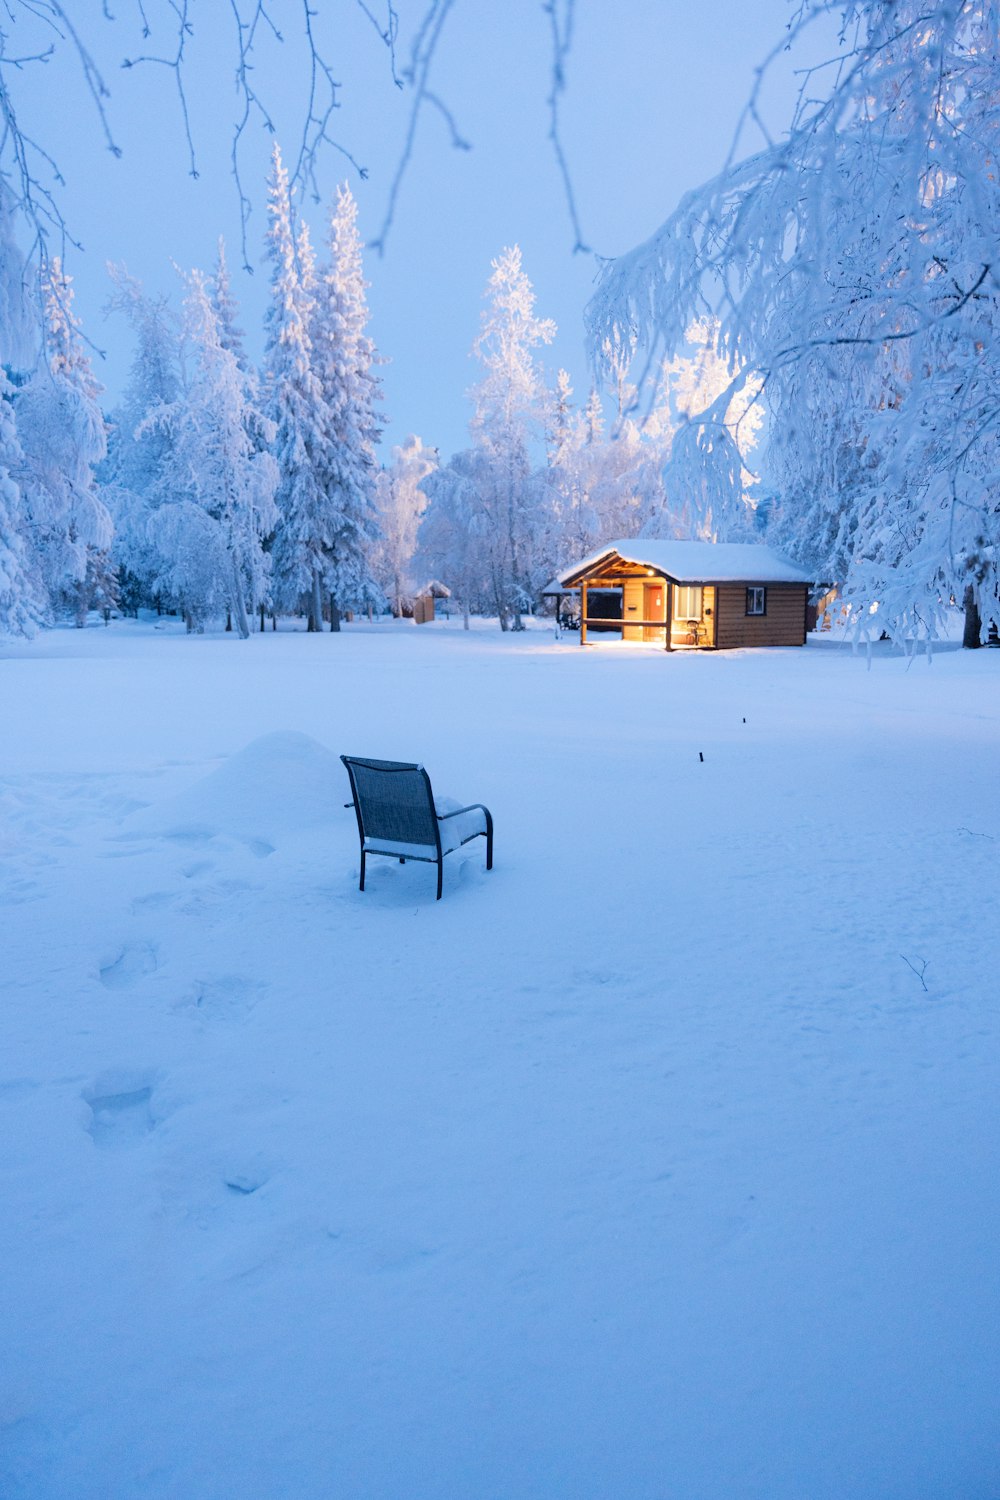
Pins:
<point x="423" y="603"/>
<point x="697" y="595"/>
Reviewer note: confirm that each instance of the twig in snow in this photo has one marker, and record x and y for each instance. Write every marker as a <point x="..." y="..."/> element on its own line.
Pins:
<point x="919" y="972"/>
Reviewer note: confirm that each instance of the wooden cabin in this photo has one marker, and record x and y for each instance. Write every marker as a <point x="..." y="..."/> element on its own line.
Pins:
<point x="697" y="595"/>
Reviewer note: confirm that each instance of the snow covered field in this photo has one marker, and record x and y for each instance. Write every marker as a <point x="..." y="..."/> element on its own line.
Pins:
<point x="646" y="1165"/>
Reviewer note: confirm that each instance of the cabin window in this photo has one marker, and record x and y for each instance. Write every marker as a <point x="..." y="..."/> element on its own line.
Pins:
<point x="756" y="601"/>
<point x="687" y="602"/>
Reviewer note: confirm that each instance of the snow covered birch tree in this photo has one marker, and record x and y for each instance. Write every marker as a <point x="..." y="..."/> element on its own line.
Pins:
<point x="21" y="606"/>
<point x="852" y="266"/>
<point x="401" y="502"/>
<point x="454" y="537"/>
<point x="63" y="438"/>
<point x="510" y="406"/>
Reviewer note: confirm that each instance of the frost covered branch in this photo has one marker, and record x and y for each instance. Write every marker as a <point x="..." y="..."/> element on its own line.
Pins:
<point x="37" y="180"/>
<point x="416" y="75"/>
<point x="851" y="263"/>
<point x="562" y="40"/>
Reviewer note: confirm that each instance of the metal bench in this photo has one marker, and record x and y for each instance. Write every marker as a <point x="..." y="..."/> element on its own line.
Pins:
<point x="399" y="816"/>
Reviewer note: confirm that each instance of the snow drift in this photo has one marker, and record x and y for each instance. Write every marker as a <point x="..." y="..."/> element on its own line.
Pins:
<point x="280" y="785"/>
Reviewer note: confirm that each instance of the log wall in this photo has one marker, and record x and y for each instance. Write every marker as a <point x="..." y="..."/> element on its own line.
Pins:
<point x="784" y="624"/>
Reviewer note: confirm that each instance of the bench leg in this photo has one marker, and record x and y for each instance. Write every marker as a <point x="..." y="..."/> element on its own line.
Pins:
<point x="362" y="885"/>
<point x="440" y="878"/>
<point x="402" y="861"/>
<point x="489" y="842"/>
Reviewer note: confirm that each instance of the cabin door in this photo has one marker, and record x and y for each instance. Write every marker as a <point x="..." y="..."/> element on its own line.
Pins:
<point x="654" y="607"/>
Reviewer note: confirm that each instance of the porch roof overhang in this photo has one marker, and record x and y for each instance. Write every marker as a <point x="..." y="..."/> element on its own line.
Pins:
<point x="557" y="590"/>
<point x="685" y="563"/>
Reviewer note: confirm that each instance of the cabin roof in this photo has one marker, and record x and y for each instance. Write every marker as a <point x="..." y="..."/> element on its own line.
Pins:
<point x="689" y="562"/>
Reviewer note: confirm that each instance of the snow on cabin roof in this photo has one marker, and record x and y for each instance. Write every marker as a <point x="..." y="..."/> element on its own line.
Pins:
<point x="698" y="562"/>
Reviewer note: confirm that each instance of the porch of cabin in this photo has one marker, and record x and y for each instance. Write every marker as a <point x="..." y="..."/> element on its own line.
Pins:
<point x="655" y="611"/>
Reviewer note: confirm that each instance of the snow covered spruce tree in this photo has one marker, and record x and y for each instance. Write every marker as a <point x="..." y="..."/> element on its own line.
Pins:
<point x="510" y="406"/>
<point x="321" y="395"/>
<point x="226" y="307"/>
<point x="343" y="360"/>
<point x="63" y="438"/>
<point x="294" y="405"/>
<point x="135" y="476"/>
<point x="853" y="268"/>
<point x="401" y="501"/>
<point x="220" y="478"/>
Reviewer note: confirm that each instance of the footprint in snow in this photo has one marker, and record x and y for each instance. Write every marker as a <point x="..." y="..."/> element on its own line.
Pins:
<point x="224" y="997"/>
<point x="379" y="1254"/>
<point x="120" y="1105"/>
<point x="133" y="963"/>
<point x="154" y="901"/>
<point x="17" y="892"/>
<point x="245" y="1178"/>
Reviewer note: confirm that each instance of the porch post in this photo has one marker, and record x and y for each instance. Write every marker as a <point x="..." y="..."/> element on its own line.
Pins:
<point x="670" y="612"/>
<point x="583" y="613"/>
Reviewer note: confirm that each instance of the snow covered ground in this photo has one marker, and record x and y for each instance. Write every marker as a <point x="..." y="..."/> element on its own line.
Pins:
<point x="647" y="1165"/>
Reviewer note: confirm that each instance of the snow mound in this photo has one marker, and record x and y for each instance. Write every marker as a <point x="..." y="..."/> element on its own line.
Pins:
<point x="281" y="784"/>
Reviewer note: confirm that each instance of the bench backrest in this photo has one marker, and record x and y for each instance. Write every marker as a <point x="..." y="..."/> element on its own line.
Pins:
<point x="394" y="801"/>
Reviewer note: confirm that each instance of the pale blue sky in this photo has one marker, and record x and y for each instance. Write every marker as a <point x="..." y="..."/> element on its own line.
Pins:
<point x="654" y="92"/>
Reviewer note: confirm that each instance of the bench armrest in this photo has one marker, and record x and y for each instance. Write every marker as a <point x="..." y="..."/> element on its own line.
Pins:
<point x="472" y="807"/>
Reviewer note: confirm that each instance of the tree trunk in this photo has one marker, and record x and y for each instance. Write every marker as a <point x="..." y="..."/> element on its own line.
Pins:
<point x="465" y="614"/>
<point x="334" y="614"/>
<point x="973" y="622"/>
<point x="262" y="613"/>
<point x="274" y="622"/>
<point x="316" y="611"/>
<point x="242" y="618"/>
